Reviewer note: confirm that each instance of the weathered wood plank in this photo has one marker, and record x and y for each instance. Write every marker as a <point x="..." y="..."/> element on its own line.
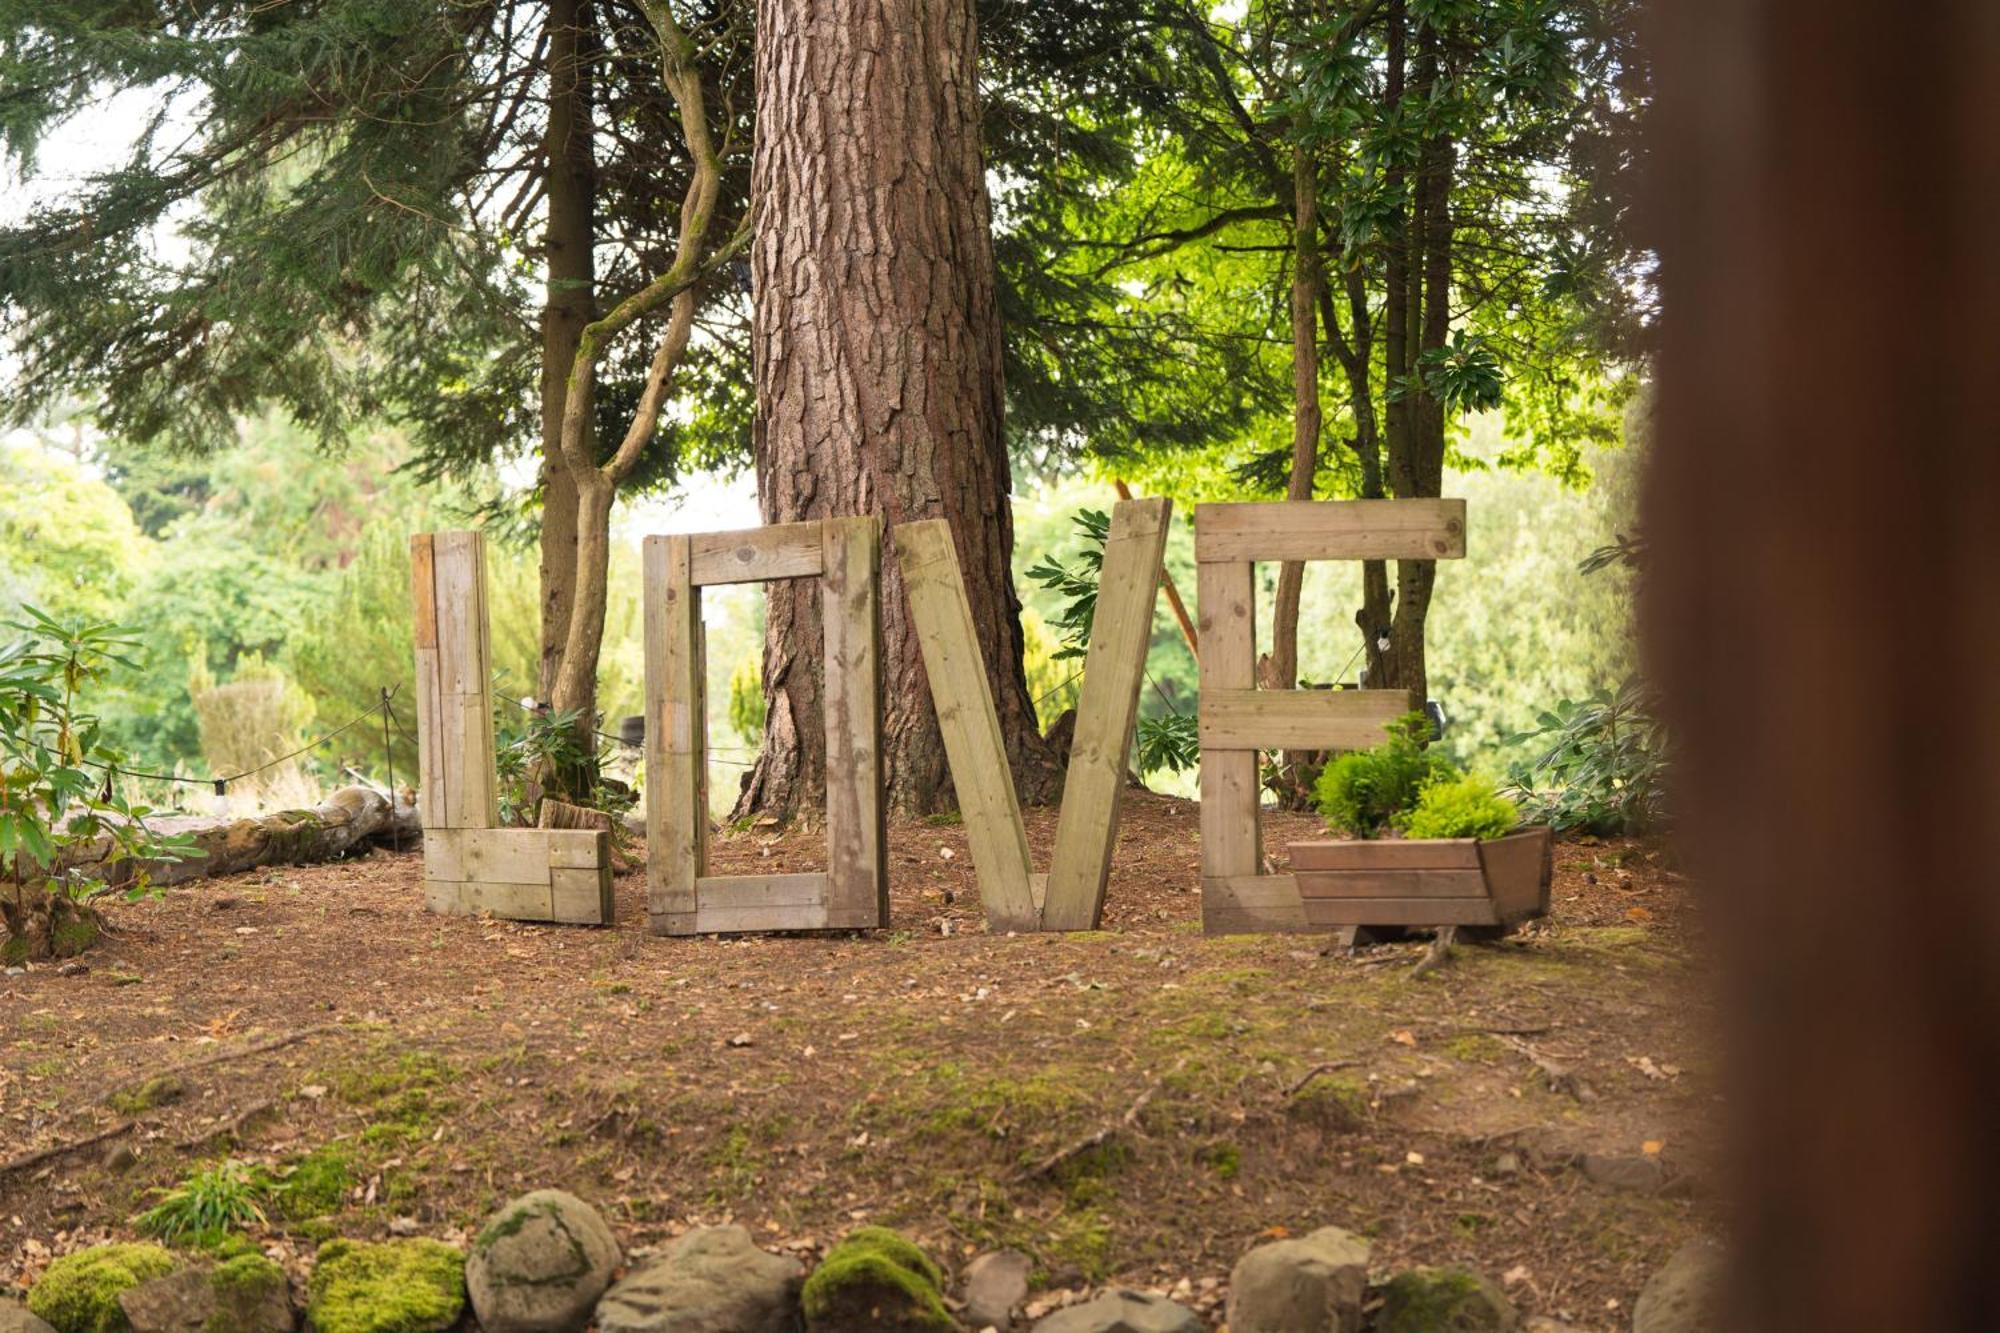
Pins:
<point x="1517" y="872"/>
<point x="1231" y="837"/>
<point x="1326" y="912"/>
<point x="677" y="823"/>
<point x="971" y="727"/>
<point x="1390" y="883"/>
<point x="851" y="620"/>
<point x="1387" y="854"/>
<point x="793" y="890"/>
<point x="1331" y="530"/>
<point x="1107" y="712"/>
<point x="1240" y="719"/>
<point x="581" y="896"/>
<point x="713" y="919"/>
<point x="753" y="555"/>
<point x="1246" y="904"/>
<point x="432" y="783"/>
<point x="515" y="902"/>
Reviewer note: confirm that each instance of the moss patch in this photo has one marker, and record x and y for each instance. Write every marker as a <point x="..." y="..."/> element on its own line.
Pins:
<point x="164" y="1090"/>
<point x="398" y="1286"/>
<point x="1444" y="1300"/>
<point x="79" y="1292"/>
<point x="313" y="1186"/>
<point x="876" y="1279"/>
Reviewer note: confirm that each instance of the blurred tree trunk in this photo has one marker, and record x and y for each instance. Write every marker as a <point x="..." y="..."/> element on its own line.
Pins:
<point x="1308" y="285"/>
<point x="1821" y="512"/>
<point x="878" y="365"/>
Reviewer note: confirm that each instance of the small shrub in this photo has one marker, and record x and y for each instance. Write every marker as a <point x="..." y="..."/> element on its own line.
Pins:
<point x="1361" y="793"/>
<point x="1466" y="807"/>
<point x="1603" y="768"/>
<point x="227" y="1197"/>
<point x="79" y="1292"/>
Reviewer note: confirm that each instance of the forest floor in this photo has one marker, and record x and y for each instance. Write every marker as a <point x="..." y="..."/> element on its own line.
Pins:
<point x="1534" y="1109"/>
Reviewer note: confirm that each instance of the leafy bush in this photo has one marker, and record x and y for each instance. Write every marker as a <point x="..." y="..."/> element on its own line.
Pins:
<point x="1077" y="583"/>
<point x="1602" y="768"/>
<point x="1362" y="792"/>
<point x="1463" y="807"/>
<point x="227" y="1197"/>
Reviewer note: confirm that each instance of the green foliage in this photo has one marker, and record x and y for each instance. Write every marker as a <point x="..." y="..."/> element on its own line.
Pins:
<point x="746" y="699"/>
<point x="55" y="790"/>
<point x="874" y="1267"/>
<point x="226" y="1197"/>
<point x="67" y="542"/>
<point x="1170" y="744"/>
<point x="1076" y="584"/>
<point x="1460" y="807"/>
<point x="397" y="1286"/>
<point x="79" y="1292"/>
<point x="544" y="742"/>
<point x="1600" y="764"/>
<point x="1363" y="792"/>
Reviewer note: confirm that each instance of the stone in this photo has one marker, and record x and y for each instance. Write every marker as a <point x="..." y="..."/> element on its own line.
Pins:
<point x="81" y="1290"/>
<point x="1685" y="1296"/>
<point x="1445" y="1300"/>
<point x="15" y="1318"/>
<point x="1312" y="1284"/>
<point x="539" y="1265"/>
<point x="120" y="1158"/>
<point x="1636" y="1175"/>
<point x="392" y="1286"/>
<point x="875" y="1278"/>
<point x="995" y="1285"/>
<point x="246" y="1294"/>
<point x="711" y="1280"/>
<point x="1123" y="1312"/>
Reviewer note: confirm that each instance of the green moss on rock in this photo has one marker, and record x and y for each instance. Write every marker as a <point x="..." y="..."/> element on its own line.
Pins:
<point x="398" y="1286"/>
<point x="163" y="1090"/>
<point x="876" y="1278"/>
<point x="79" y="1292"/>
<point x="1445" y="1300"/>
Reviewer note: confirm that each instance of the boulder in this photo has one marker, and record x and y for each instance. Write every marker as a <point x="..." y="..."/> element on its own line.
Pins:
<point x="1445" y="1300"/>
<point x="995" y="1285"/>
<point x="539" y="1265"/>
<point x="79" y="1292"/>
<point x="1123" y="1312"/>
<point x="246" y="1294"/>
<point x="1685" y="1296"/>
<point x="17" y="1319"/>
<point x="876" y="1279"/>
<point x="1313" y="1284"/>
<point x="391" y="1286"/>
<point x="711" y="1280"/>
<point x="1636" y="1175"/>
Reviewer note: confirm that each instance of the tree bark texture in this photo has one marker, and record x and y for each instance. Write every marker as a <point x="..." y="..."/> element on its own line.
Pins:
<point x="1821" y="514"/>
<point x="877" y="353"/>
<point x="570" y="305"/>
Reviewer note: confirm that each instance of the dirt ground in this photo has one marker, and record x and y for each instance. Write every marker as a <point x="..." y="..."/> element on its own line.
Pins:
<point x="930" y="1076"/>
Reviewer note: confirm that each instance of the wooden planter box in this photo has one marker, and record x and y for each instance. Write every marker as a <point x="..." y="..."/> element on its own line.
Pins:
<point x="1425" y="881"/>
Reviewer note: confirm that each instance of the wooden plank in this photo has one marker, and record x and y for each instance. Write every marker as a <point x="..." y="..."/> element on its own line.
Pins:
<point x="1325" y="912"/>
<point x="1331" y="530"/>
<point x="465" y="692"/>
<point x="581" y="896"/>
<point x="972" y="741"/>
<point x="677" y="822"/>
<point x="1388" y="854"/>
<point x="1240" y="719"/>
<point x="1107" y="711"/>
<point x="856" y="816"/>
<point x="514" y="902"/>
<point x="432" y="782"/>
<point x="1231" y="836"/>
<point x="1390" y="883"/>
<point x="423" y="590"/>
<point x="1246" y="904"/>
<point x="1517" y="872"/>
<point x="719" y="920"/>
<point x="798" y="890"/>
<point x="753" y="555"/>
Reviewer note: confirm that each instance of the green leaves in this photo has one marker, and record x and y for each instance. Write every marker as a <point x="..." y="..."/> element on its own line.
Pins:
<point x="1603" y="768"/>
<point x="1077" y="583"/>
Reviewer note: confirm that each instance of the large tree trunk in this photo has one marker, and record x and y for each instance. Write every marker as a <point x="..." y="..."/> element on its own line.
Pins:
<point x="878" y="364"/>
<point x="570" y="304"/>
<point x="1820" y="511"/>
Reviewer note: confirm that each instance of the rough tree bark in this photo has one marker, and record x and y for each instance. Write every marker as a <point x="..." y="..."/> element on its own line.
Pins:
<point x="877" y="360"/>
<point x="570" y="304"/>
<point x="1820" y="515"/>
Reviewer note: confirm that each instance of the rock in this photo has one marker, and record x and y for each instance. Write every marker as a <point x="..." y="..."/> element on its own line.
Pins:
<point x="712" y="1280"/>
<point x="876" y="1279"/>
<point x="247" y="1294"/>
<point x="1314" y="1284"/>
<point x="393" y="1286"/>
<point x="539" y="1265"/>
<point x="1445" y="1300"/>
<point x="79" y="1292"/>
<point x="1685" y="1296"/>
<point x="995" y="1284"/>
<point x="1638" y="1175"/>
<point x="120" y="1158"/>
<point x="1123" y="1312"/>
<point x="16" y="1319"/>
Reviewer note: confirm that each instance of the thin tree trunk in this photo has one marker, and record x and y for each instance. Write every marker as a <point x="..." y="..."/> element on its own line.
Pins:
<point x="877" y="360"/>
<point x="1806" y="189"/>
<point x="1376" y="616"/>
<point x="570" y="305"/>
<point x="1308" y="282"/>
